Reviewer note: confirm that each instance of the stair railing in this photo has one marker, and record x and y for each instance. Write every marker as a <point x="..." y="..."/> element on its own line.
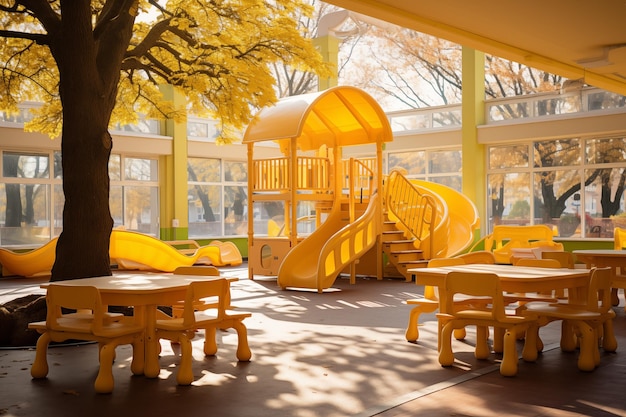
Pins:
<point x="415" y="211"/>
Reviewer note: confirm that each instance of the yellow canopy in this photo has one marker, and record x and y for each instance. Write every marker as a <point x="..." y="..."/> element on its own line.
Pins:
<point x="340" y="116"/>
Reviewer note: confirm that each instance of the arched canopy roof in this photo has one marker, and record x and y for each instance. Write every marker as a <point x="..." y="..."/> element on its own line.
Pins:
<point x="340" y="116"/>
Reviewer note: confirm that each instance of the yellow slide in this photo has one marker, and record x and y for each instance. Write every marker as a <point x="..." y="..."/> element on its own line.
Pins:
<point x="27" y="264"/>
<point x="134" y="250"/>
<point x="131" y="250"/>
<point x="316" y="262"/>
<point x="464" y="219"/>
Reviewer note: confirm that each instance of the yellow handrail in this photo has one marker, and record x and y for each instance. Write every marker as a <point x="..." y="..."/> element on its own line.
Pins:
<point x="416" y="212"/>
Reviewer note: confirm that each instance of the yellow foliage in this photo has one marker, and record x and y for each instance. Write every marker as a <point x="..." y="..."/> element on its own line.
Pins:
<point x="219" y="54"/>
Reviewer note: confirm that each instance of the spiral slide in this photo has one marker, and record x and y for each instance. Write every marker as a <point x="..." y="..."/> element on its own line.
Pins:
<point x="464" y="219"/>
<point x="131" y="250"/>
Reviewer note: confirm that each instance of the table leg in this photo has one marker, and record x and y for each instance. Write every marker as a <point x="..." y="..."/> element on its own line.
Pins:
<point x="139" y="314"/>
<point x="152" y="350"/>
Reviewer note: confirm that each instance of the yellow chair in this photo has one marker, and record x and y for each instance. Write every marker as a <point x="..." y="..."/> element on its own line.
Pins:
<point x="566" y="259"/>
<point x="199" y="315"/>
<point x="177" y="309"/>
<point x="523" y="298"/>
<point x="583" y="325"/>
<point x="619" y="280"/>
<point x="473" y="284"/>
<point x="478" y="257"/>
<point x="538" y="263"/>
<point x="430" y="302"/>
<point x="108" y="333"/>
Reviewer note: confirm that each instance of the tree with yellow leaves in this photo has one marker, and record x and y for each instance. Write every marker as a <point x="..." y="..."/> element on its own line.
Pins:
<point x="93" y="63"/>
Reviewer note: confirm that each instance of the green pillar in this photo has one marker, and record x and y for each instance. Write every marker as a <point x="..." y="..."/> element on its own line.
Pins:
<point x="173" y="173"/>
<point x="473" y="108"/>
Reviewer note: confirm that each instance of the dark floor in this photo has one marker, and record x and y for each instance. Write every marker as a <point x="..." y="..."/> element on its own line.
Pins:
<point x="341" y="353"/>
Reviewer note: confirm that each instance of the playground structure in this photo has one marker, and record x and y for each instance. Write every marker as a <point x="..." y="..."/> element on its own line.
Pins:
<point x="128" y="250"/>
<point x="358" y="221"/>
<point x="313" y="214"/>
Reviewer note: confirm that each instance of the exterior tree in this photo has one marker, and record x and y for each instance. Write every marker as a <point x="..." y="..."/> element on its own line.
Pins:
<point x="290" y="80"/>
<point x="418" y="70"/>
<point x="96" y="62"/>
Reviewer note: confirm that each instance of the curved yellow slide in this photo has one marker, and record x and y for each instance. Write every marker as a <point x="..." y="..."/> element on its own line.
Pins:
<point x="134" y="250"/>
<point x="131" y="250"/>
<point x="464" y="219"/>
<point x="28" y="264"/>
<point x="316" y="262"/>
<point x="299" y="268"/>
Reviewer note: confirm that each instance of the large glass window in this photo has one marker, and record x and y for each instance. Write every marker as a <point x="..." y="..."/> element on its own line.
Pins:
<point x="577" y="185"/>
<point x="217" y="198"/>
<point x="440" y="166"/>
<point x="31" y="196"/>
<point x="26" y="197"/>
<point x="134" y="194"/>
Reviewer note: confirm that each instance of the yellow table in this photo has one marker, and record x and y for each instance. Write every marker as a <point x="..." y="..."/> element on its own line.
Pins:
<point x="143" y="291"/>
<point x="613" y="258"/>
<point x="513" y="279"/>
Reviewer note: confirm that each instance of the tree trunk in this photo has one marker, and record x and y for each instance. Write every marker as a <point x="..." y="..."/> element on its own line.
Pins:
<point x="89" y="72"/>
<point x="83" y="246"/>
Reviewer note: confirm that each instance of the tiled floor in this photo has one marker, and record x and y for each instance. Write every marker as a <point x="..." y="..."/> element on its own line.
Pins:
<point x="335" y="354"/>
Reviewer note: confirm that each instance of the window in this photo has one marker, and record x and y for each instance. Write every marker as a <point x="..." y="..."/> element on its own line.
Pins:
<point x="440" y="166"/>
<point x="134" y="195"/>
<point x="30" y="197"/>
<point x="576" y="183"/>
<point x="217" y="198"/>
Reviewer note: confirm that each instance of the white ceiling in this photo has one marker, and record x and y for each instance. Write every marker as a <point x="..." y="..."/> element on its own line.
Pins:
<point x="573" y="38"/>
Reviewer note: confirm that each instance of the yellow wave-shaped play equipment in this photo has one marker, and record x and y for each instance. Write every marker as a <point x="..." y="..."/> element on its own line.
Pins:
<point x="129" y="250"/>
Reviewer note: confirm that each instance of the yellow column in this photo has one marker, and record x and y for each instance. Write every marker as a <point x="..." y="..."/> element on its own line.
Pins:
<point x="328" y="46"/>
<point x="473" y="108"/>
<point x="173" y="174"/>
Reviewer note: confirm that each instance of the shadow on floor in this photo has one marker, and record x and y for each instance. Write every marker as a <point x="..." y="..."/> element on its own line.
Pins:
<point x="335" y="354"/>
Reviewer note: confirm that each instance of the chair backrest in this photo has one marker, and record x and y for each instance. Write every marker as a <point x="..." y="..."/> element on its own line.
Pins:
<point x="198" y="290"/>
<point x="619" y="238"/>
<point x="478" y="257"/>
<point x="541" y="263"/>
<point x="197" y="270"/>
<point x="76" y="298"/>
<point x="599" y="293"/>
<point x="566" y="259"/>
<point x="475" y="284"/>
<point x="438" y="262"/>
<point x="430" y="292"/>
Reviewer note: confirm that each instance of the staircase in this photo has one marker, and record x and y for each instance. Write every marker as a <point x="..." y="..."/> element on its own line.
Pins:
<point x="400" y="252"/>
<point x="408" y="225"/>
